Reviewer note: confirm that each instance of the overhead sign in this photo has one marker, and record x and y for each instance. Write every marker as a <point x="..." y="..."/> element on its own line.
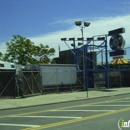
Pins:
<point x="116" y="31"/>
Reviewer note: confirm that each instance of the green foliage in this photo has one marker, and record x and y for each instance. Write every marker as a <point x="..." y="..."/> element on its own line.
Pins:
<point x="21" y="50"/>
<point x="1" y="56"/>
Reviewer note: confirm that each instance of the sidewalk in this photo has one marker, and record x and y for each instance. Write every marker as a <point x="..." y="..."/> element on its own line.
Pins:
<point x="59" y="97"/>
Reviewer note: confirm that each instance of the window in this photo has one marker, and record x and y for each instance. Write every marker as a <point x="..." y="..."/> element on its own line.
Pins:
<point x="12" y="66"/>
<point x="1" y="65"/>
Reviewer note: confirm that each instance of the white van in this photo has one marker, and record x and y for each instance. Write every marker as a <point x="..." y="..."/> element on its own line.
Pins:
<point x="6" y="65"/>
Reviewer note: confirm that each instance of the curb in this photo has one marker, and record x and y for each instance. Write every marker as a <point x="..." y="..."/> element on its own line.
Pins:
<point x="63" y="102"/>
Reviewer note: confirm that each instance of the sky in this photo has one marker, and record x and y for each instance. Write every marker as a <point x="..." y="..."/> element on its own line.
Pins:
<point x="47" y="21"/>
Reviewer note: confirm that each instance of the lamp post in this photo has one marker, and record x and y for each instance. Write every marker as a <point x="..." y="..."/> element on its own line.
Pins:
<point x="86" y="24"/>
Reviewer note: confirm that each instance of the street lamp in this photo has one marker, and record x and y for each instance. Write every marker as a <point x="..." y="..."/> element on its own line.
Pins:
<point x="86" y="24"/>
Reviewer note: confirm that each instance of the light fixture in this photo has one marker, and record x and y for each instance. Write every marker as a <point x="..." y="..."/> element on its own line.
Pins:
<point x="78" y="23"/>
<point x="63" y="39"/>
<point x="80" y="39"/>
<point x="72" y="39"/>
<point x="80" y="43"/>
<point x="90" y="38"/>
<point x="101" y="38"/>
<point x="72" y="44"/>
<point x="86" y="24"/>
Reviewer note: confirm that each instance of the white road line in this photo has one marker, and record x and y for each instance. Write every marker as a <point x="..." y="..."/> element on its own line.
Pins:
<point x="113" y="105"/>
<point x="84" y="110"/>
<point x="123" y="101"/>
<point x="45" y="116"/>
<point x="23" y="125"/>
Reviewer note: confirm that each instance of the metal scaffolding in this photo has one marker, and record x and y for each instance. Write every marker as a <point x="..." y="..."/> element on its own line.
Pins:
<point x="96" y="44"/>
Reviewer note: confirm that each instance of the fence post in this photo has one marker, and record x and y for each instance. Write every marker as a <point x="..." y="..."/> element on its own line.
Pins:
<point x="70" y="81"/>
<point x="120" y="79"/>
<point x="57" y="81"/>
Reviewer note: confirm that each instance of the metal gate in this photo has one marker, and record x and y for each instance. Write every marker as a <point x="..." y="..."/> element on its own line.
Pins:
<point x="31" y="82"/>
<point x="7" y="83"/>
<point x="115" y="78"/>
<point x="100" y="79"/>
<point x="125" y="78"/>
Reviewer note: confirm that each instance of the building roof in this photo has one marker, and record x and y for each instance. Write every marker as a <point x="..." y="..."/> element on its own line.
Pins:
<point x="119" y="61"/>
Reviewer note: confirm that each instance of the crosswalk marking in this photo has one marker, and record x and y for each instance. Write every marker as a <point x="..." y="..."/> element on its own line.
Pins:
<point x="46" y="116"/>
<point x="22" y="125"/>
<point x="123" y="101"/>
<point x="120" y="105"/>
<point x="84" y="110"/>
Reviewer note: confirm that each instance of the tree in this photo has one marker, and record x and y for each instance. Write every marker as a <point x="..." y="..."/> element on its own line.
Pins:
<point x="1" y="56"/>
<point x="21" y="50"/>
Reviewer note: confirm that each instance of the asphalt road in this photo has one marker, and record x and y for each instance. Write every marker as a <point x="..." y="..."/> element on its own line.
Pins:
<point x="93" y="114"/>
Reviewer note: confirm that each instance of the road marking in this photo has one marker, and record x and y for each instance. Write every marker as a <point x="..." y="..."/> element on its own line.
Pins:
<point x="84" y="110"/>
<point x="23" y="125"/>
<point x="46" y="117"/>
<point x="78" y="120"/>
<point x="43" y="111"/>
<point x="113" y="105"/>
<point x="123" y="101"/>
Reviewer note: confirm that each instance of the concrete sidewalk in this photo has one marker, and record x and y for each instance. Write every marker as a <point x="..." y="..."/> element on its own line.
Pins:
<point x="59" y="97"/>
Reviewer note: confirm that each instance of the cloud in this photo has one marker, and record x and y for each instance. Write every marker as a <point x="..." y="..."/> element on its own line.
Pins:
<point x="3" y="47"/>
<point x="98" y="26"/>
<point x="67" y="21"/>
<point x="126" y="3"/>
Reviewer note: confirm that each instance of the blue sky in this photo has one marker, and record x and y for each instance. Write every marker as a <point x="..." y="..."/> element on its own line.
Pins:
<point x="46" y="21"/>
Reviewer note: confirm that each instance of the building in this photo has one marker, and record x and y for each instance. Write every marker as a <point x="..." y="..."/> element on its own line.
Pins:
<point x="67" y="57"/>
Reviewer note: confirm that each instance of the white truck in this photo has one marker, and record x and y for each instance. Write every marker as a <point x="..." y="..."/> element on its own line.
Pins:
<point x="56" y="74"/>
<point x="6" y="65"/>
